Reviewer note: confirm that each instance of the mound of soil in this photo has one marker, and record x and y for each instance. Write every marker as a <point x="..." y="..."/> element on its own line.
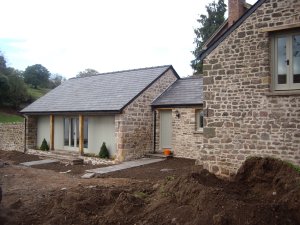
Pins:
<point x="264" y="191"/>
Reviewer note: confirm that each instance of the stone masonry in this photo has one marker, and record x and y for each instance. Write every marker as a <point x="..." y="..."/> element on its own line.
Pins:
<point x="31" y="132"/>
<point x="12" y="136"/>
<point x="243" y="118"/>
<point x="185" y="136"/>
<point x="134" y="127"/>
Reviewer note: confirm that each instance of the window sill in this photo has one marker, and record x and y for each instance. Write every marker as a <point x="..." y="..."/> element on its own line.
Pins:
<point x="198" y="132"/>
<point x="283" y="93"/>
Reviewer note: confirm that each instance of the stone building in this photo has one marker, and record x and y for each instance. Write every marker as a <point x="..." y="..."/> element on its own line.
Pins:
<point x="114" y="108"/>
<point x="179" y="118"/>
<point x="251" y="88"/>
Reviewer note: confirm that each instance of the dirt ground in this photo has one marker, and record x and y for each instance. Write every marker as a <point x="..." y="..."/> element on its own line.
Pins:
<point x="265" y="191"/>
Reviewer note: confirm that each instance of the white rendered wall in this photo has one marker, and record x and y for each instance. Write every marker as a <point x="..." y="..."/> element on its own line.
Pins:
<point x="43" y="130"/>
<point x="101" y="129"/>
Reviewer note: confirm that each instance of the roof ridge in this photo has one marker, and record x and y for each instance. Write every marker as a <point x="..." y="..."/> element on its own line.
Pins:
<point x="232" y="28"/>
<point x="121" y="71"/>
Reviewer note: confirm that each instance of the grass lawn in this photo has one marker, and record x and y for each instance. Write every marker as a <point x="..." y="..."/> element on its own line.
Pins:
<point x="37" y="93"/>
<point x="9" y="118"/>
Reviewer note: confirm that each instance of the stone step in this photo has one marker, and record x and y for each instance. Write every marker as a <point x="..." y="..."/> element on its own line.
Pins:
<point x="66" y="159"/>
<point x="158" y="155"/>
<point x="39" y="162"/>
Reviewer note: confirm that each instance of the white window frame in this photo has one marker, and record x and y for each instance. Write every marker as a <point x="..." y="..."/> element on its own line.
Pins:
<point x="289" y="52"/>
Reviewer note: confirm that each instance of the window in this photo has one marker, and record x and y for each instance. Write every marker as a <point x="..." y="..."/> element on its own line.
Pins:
<point x="71" y="132"/>
<point x="286" y="61"/>
<point x="199" y="119"/>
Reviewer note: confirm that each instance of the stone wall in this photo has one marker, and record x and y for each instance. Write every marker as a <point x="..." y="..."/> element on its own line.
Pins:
<point x="243" y="118"/>
<point x="134" y="127"/>
<point x="186" y="139"/>
<point x="31" y="132"/>
<point x="12" y="136"/>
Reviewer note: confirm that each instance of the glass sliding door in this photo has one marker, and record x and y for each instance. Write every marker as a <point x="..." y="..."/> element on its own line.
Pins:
<point x="71" y="133"/>
<point x="85" y="132"/>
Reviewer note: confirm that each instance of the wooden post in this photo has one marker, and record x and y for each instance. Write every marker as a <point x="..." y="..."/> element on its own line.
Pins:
<point x="51" y="132"/>
<point x="81" y="134"/>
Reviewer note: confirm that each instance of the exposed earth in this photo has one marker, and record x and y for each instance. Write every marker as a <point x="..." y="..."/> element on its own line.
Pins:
<point x="265" y="191"/>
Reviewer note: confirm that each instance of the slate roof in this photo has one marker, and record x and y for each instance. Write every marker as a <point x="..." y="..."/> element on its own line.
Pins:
<point x="107" y="92"/>
<point x="185" y="91"/>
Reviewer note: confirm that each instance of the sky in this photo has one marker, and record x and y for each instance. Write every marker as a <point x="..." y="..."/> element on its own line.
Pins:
<point x="69" y="36"/>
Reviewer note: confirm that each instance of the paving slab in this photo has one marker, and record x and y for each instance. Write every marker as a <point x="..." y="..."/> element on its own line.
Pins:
<point x="124" y="165"/>
<point x="39" y="162"/>
<point x="88" y="175"/>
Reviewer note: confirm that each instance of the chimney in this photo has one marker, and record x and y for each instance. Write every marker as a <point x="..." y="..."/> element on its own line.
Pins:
<point x="236" y="8"/>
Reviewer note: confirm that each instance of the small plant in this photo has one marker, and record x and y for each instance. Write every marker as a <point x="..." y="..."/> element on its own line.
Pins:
<point x="140" y="194"/>
<point x="295" y="167"/>
<point x="169" y="178"/>
<point x="44" y="145"/>
<point x="104" y="154"/>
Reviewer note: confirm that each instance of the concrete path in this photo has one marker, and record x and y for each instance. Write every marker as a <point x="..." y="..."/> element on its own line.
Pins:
<point x="39" y="162"/>
<point x="124" y="165"/>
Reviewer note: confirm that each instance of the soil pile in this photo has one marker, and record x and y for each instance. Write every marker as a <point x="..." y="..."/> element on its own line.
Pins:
<point x="264" y="191"/>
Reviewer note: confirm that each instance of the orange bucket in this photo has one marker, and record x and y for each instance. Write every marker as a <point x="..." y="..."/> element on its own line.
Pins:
<point x="167" y="152"/>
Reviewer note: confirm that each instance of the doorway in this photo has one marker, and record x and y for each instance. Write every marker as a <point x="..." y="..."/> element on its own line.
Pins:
<point x="165" y="129"/>
<point x="71" y="133"/>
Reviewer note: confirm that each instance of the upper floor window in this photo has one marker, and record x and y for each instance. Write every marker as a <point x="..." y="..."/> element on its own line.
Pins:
<point x="286" y="61"/>
<point x="199" y="119"/>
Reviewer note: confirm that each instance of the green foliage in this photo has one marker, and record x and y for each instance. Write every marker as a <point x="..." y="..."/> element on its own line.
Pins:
<point x="44" y="146"/>
<point x="295" y="167"/>
<point x="169" y="178"/>
<point x="140" y="194"/>
<point x="36" y="93"/>
<point x="10" y="118"/>
<point x="4" y="88"/>
<point x="14" y="93"/>
<point x="36" y="75"/>
<point x="208" y="25"/>
<point x="55" y="80"/>
<point x="87" y="73"/>
<point x="104" y="151"/>
<point x="2" y="64"/>
<point x="17" y="88"/>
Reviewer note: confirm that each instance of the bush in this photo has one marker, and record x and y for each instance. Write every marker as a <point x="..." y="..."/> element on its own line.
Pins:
<point x="104" y="151"/>
<point x="44" y="146"/>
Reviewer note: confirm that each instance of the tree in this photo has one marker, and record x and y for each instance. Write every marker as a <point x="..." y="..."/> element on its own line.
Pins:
<point x="208" y="25"/>
<point x="56" y="80"/>
<point x="2" y="64"/>
<point x="13" y="91"/>
<point x="36" y="75"/>
<point x="17" y="90"/>
<point x="4" y="88"/>
<point x="87" y="73"/>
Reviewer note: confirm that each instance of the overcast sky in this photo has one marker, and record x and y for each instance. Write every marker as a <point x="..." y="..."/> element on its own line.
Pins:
<point x="68" y="36"/>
